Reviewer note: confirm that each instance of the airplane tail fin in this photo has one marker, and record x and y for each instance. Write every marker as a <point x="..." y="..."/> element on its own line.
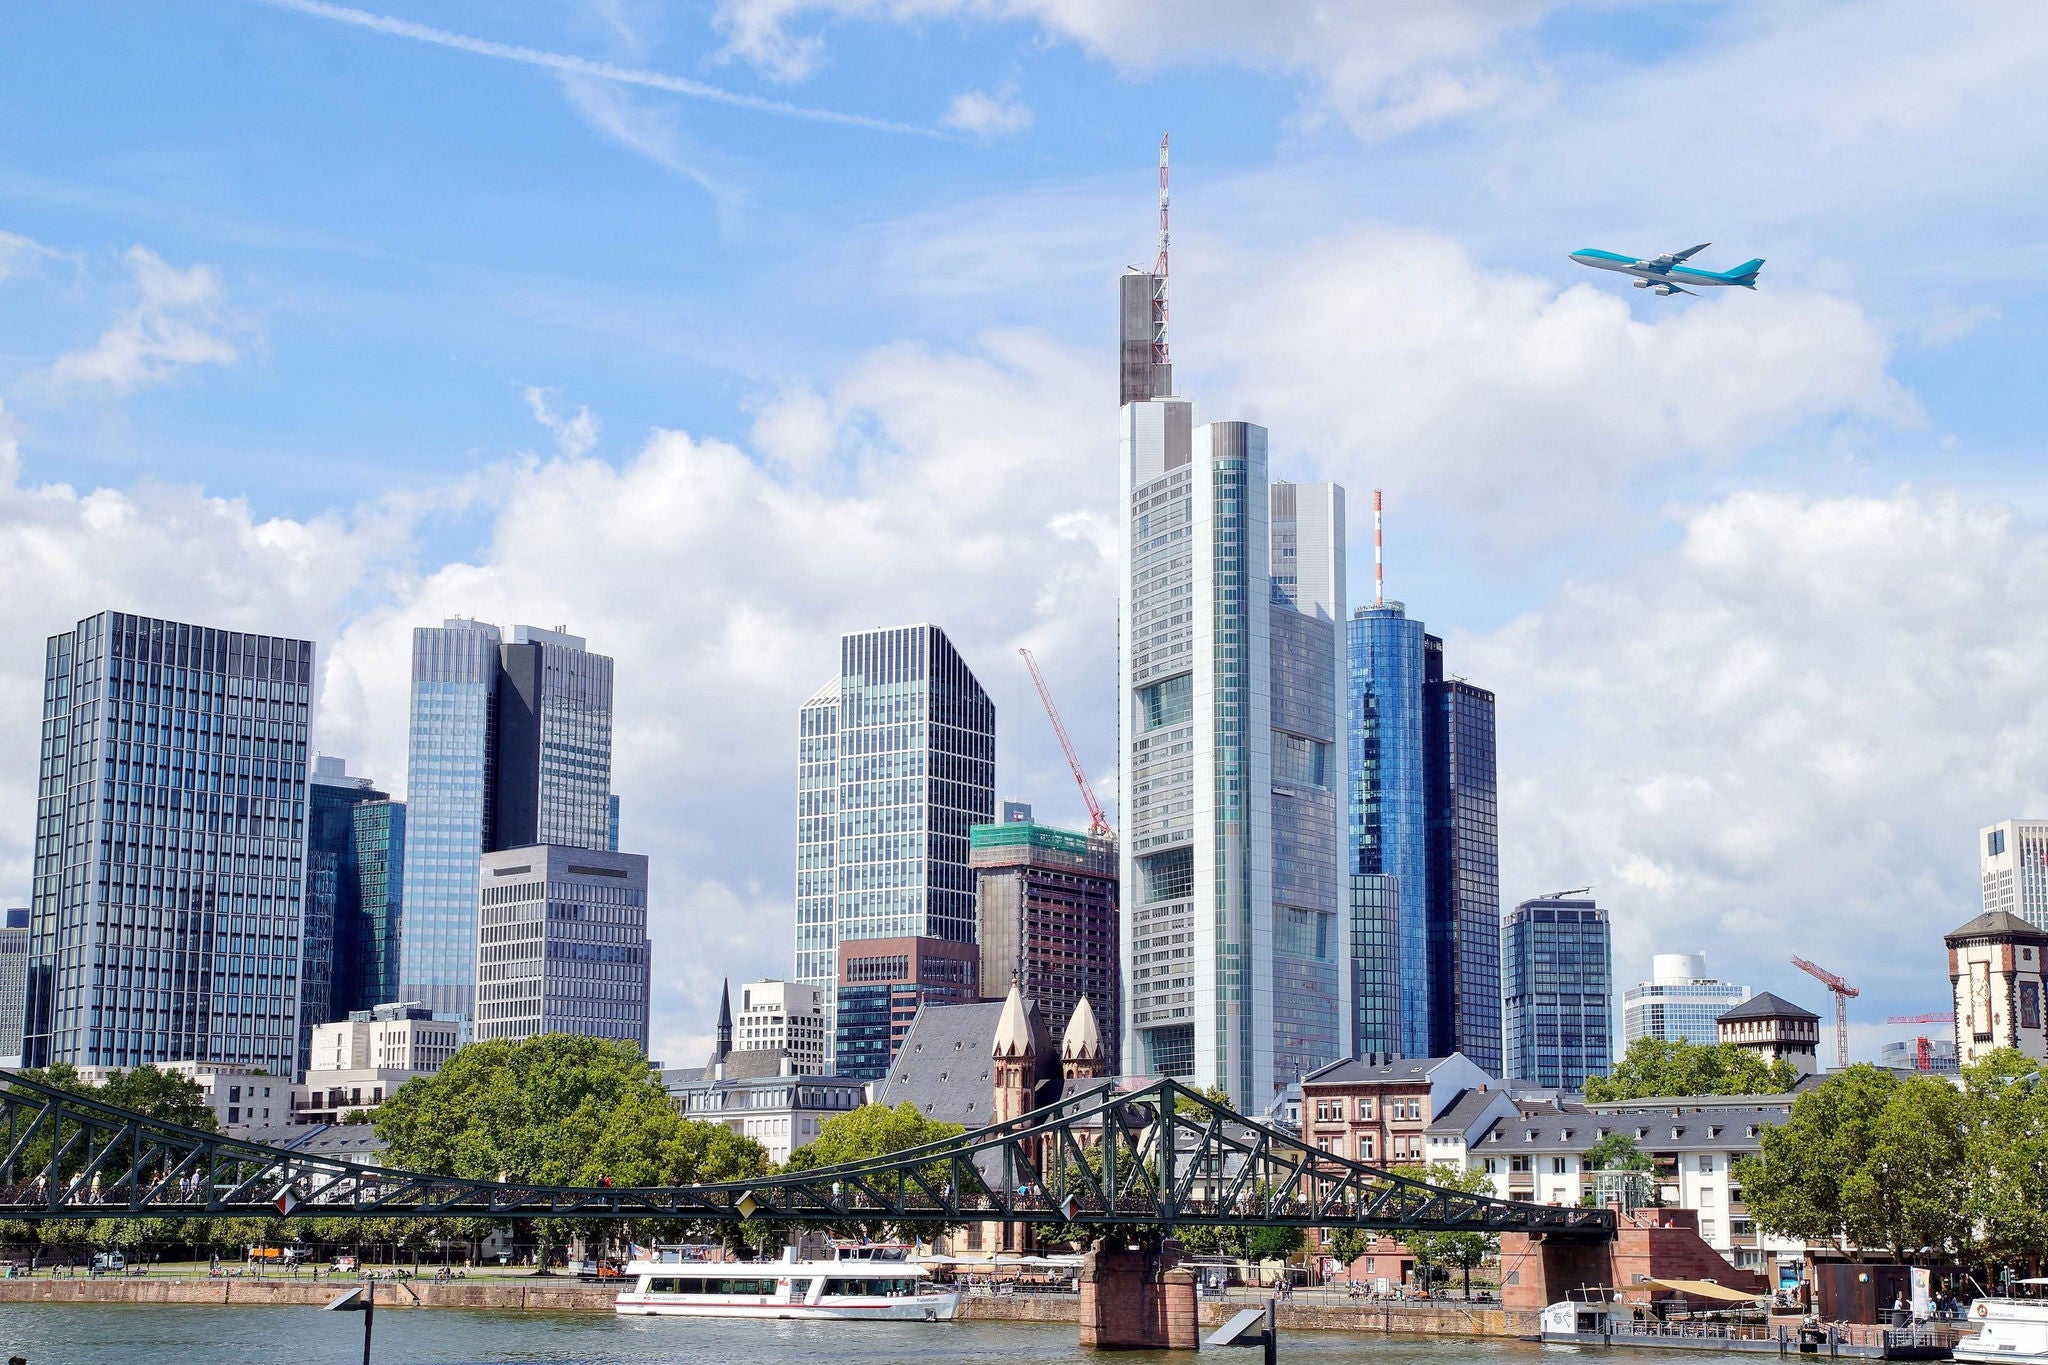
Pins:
<point x="1746" y="273"/>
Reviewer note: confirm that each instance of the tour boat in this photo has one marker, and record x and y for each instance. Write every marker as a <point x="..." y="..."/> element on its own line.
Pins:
<point x="852" y="1288"/>
<point x="2008" y="1330"/>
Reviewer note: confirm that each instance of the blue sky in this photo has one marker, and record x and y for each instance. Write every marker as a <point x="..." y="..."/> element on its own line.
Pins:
<point x="300" y="305"/>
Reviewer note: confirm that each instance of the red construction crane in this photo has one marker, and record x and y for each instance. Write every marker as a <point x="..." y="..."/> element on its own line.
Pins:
<point x="1923" y="1052"/>
<point x="1842" y="991"/>
<point x="1097" y="824"/>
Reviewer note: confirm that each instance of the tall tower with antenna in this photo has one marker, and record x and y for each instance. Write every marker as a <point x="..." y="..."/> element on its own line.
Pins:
<point x="1230" y="767"/>
<point x="1145" y="357"/>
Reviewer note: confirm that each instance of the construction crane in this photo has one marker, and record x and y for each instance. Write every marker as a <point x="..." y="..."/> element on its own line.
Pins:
<point x="1842" y="991"/>
<point x="1097" y="824"/>
<point x="1923" y="1052"/>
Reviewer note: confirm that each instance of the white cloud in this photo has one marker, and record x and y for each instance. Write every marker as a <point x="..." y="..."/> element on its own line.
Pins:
<point x="978" y="113"/>
<point x="177" y="321"/>
<point x="1378" y="67"/>
<point x="1781" y="734"/>
<point x="649" y="131"/>
<point x="574" y="436"/>
<point x="1392" y="358"/>
<point x="16" y="251"/>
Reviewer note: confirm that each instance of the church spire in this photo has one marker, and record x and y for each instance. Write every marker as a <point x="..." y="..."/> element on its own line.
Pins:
<point x="723" y="1047"/>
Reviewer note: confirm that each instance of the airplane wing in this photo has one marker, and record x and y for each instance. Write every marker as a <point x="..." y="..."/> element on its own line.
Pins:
<point x="1675" y="257"/>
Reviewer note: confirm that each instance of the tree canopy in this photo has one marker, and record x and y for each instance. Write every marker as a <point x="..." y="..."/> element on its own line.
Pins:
<point x="870" y="1131"/>
<point x="1868" y="1159"/>
<point x="1654" y="1067"/>
<point x="556" y="1109"/>
<point x="1460" y="1249"/>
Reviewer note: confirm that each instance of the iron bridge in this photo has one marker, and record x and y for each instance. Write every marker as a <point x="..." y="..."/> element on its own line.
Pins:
<point x="1159" y="1156"/>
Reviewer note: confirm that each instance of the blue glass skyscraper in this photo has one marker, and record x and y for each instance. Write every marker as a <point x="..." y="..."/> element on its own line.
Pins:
<point x="1556" y="976"/>
<point x="1464" y="867"/>
<point x="511" y="746"/>
<point x="1389" y="832"/>
<point x="355" y="850"/>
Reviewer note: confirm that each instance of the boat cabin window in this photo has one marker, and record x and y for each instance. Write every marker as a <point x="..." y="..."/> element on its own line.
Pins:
<point x="799" y="1290"/>
<point x="878" y="1288"/>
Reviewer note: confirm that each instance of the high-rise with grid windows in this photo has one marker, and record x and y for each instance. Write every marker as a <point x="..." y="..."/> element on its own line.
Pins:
<point x="511" y="745"/>
<point x="896" y="762"/>
<point x="1559" y="1008"/>
<point x="1236" y="963"/>
<point x="169" y="864"/>
<point x="2013" y="856"/>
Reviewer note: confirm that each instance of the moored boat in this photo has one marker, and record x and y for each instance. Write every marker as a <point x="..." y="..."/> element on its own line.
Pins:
<point x="853" y="1289"/>
<point x="2014" y="1330"/>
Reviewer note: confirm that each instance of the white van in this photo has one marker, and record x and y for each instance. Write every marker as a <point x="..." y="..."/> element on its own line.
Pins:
<point x="108" y="1263"/>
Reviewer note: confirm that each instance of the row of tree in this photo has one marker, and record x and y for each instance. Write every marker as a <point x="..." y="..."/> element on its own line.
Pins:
<point x="1912" y="1164"/>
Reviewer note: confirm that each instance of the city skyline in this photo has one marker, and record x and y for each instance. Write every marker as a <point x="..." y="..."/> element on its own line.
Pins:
<point x="1741" y="570"/>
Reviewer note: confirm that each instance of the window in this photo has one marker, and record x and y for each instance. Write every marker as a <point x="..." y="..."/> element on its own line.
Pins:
<point x="1328" y="1111"/>
<point x="1368" y="1147"/>
<point x="1166" y="703"/>
<point x="1168" y="876"/>
<point x="1994" y="843"/>
<point x="1557" y="1165"/>
<point x="1706" y="1165"/>
<point x="2030" y="1004"/>
<point x="1518" y="1163"/>
<point x="1493" y="1165"/>
<point x="1707" y="1197"/>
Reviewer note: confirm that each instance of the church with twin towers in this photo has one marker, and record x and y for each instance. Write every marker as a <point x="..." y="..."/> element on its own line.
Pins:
<point x="1308" y="850"/>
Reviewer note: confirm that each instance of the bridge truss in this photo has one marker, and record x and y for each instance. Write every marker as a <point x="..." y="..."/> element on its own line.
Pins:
<point x="1158" y="1157"/>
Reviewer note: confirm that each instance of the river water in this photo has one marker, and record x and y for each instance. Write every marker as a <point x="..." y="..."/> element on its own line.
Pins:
<point x="177" y="1334"/>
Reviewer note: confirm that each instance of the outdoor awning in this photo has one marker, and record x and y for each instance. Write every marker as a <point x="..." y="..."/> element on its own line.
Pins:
<point x="1699" y="1289"/>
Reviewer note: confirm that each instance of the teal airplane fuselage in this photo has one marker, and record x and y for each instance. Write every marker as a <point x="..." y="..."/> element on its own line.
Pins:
<point x="1669" y="274"/>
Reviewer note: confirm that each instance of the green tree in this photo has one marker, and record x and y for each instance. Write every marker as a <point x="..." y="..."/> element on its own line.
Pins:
<point x="1655" y="1067"/>
<point x="1616" y="1152"/>
<point x="1866" y="1159"/>
<point x="2006" y="1155"/>
<point x="557" y="1109"/>
<point x="876" y="1130"/>
<point x="160" y="1094"/>
<point x="1462" y="1250"/>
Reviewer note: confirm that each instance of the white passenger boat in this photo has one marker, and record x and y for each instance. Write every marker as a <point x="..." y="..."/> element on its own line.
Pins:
<point x="2008" y="1330"/>
<point x="894" y="1291"/>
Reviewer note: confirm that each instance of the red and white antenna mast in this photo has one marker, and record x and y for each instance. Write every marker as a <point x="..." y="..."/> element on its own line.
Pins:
<point x="1379" y="570"/>
<point x="1161" y="353"/>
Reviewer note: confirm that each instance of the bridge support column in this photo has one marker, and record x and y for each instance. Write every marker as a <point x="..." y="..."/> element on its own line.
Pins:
<point x="1137" y="1300"/>
<point x="1539" y="1269"/>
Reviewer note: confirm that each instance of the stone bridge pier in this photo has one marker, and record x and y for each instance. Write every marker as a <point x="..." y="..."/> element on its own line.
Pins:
<point x="1140" y="1299"/>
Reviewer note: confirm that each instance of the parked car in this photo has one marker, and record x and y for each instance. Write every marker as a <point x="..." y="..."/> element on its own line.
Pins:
<point x="108" y="1263"/>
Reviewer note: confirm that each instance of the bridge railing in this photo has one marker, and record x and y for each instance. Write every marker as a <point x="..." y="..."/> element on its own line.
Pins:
<point x="1160" y="1156"/>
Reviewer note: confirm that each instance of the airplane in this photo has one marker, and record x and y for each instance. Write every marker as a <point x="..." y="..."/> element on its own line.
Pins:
<point x="1666" y="275"/>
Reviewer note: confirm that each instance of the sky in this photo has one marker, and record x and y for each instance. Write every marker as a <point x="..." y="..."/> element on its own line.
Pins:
<point x="714" y="330"/>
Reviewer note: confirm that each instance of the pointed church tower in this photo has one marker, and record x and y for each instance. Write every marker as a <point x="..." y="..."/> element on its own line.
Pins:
<point x="1014" y="1055"/>
<point x="1081" y="1056"/>
<point x="723" y="1048"/>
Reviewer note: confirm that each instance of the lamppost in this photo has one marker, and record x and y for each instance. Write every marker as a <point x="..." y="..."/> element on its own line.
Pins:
<point x="362" y="1299"/>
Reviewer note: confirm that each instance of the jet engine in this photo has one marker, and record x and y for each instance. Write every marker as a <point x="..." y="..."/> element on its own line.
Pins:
<point x="1663" y="290"/>
<point x="1642" y="284"/>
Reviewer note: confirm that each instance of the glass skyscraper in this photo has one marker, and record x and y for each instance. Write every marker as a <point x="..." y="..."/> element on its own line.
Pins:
<point x="355" y="851"/>
<point x="1229" y="668"/>
<point x="1464" y="883"/>
<point x="896" y="762"/>
<point x="1389" y="827"/>
<point x="166" y="907"/>
<point x="1679" y="1002"/>
<point x="1559" y="1009"/>
<point x="13" y="984"/>
<point x="510" y="746"/>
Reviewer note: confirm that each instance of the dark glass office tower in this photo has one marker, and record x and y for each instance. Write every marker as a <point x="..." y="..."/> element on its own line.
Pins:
<point x="166" y="907"/>
<point x="510" y="746"/>
<point x="1464" y="868"/>
<point x="1559" y="1007"/>
<point x="355" y="850"/>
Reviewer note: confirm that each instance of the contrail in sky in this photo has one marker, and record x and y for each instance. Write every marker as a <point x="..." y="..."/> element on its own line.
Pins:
<point x="583" y="66"/>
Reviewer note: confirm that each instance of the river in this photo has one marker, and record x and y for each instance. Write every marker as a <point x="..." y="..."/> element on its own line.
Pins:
<point x="177" y="1334"/>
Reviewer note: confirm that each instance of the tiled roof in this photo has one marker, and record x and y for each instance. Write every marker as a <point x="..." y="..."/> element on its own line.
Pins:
<point x="1718" y="1130"/>
<point x="943" y="1067"/>
<point x="1767" y="1006"/>
<point x="1997" y="924"/>
<point x="1352" y="1071"/>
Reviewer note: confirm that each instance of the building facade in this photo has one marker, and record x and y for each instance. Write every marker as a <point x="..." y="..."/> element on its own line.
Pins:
<point x="2013" y="859"/>
<point x="896" y="762"/>
<point x="14" y="939"/>
<point x="782" y="1110"/>
<point x="1556" y="975"/>
<point x="355" y="850"/>
<point x="883" y="982"/>
<point x="785" y="1016"/>
<point x="169" y="852"/>
<point x="1389" y="832"/>
<point x="359" y="1061"/>
<point x="1936" y="1056"/>
<point x="510" y="746"/>
<point x="562" y="944"/>
<point x="1235" y="971"/>
<point x="1464" y="867"/>
<point x="1774" y="1029"/>
<point x="1995" y="972"/>
<point x="1046" y="903"/>
<point x="1679" y="1003"/>
<point x="1379" y="1109"/>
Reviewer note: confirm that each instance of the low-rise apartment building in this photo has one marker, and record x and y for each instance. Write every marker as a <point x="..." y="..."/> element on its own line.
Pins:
<point x="359" y="1061"/>
<point x="1379" y="1109"/>
<point x="240" y="1096"/>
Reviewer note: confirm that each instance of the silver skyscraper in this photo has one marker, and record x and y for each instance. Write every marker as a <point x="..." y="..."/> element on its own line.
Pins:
<point x="1229" y="762"/>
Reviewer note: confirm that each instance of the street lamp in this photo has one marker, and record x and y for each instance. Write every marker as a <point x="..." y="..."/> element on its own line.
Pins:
<point x="362" y="1299"/>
